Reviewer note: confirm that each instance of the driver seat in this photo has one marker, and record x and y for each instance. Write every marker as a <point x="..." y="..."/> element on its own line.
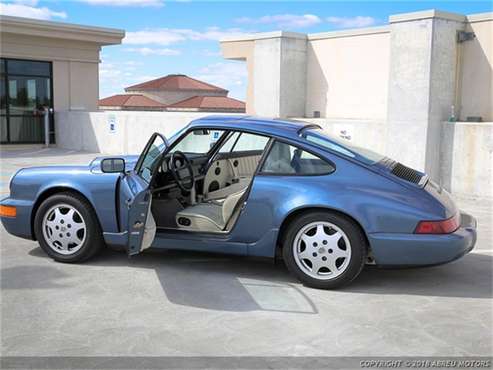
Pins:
<point x="209" y="216"/>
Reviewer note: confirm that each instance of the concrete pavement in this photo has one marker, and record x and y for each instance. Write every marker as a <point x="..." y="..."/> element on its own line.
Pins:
<point x="183" y="303"/>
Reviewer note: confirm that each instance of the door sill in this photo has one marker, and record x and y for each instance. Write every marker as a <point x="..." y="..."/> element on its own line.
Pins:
<point x="172" y="231"/>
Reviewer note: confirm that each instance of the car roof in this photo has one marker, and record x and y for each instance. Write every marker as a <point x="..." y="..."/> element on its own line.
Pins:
<point x="269" y="126"/>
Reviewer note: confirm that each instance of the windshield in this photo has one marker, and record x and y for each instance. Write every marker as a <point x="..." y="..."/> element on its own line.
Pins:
<point x="327" y="141"/>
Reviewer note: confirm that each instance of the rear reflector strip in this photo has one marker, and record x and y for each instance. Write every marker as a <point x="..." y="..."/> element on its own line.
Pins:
<point x="8" y="211"/>
<point x="447" y="226"/>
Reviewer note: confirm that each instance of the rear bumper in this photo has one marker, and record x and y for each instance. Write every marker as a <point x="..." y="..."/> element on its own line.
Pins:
<point x="424" y="250"/>
<point x="20" y="225"/>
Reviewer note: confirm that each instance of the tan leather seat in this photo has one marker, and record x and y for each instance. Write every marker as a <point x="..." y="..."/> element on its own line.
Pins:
<point x="241" y="184"/>
<point x="209" y="216"/>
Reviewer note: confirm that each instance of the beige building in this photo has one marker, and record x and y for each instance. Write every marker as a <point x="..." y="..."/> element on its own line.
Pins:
<point x="49" y="64"/>
<point x="362" y="73"/>
<point x="400" y="89"/>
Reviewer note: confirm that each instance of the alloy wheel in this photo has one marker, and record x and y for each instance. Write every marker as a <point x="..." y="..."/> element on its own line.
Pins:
<point x="322" y="250"/>
<point x="64" y="229"/>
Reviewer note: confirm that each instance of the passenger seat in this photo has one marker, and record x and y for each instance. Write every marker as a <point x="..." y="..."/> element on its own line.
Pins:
<point x="209" y="216"/>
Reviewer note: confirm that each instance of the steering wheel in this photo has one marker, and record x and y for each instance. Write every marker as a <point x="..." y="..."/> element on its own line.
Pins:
<point x="178" y="163"/>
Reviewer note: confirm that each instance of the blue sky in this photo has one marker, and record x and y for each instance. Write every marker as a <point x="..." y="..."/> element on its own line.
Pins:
<point x="166" y="37"/>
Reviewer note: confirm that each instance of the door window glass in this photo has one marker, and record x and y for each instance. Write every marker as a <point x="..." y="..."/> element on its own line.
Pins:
<point x="27" y="94"/>
<point x="147" y="163"/>
<point x="198" y="141"/>
<point x="3" y="129"/>
<point x="228" y="145"/>
<point x="3" y="96"/>
<point x="285" y="159"/>
<point x="249" y="142"/>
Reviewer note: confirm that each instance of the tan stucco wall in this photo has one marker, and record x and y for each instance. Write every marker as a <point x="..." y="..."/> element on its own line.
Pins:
<point x="477" y="75"/>
<point x="243" y="50"/>
<point x="75" y="67"/>
<point x="347" y="77"/>
<point x="72" y="49"/>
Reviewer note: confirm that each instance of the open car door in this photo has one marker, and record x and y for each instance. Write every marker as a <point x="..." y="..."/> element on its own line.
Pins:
<point x="136" y="192"/>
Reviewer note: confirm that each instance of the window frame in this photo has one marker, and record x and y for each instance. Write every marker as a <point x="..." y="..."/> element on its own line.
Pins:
<point x="296" y="146"/>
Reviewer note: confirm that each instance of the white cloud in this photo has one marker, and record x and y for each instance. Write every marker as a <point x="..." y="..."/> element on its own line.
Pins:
<point x="151" y="51"/>
<point x="230" y="75"/>
<point x="28" y="9"/>
<point x="284" y="20"/>
<point x="348" y="22"/>
<point x="114" y="76"/>
<point x="168" y="36"/>
<point x="143" y="78"/>
<point x="211" y="53"/>
<point x="158" y="37"/>
<point x="142" y="3"/>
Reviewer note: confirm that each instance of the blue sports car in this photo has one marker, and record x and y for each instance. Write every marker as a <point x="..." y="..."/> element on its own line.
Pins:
<point x="247" y="186"/>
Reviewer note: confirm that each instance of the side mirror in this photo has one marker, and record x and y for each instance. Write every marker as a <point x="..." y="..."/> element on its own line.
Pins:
<point x="113" y="165"/>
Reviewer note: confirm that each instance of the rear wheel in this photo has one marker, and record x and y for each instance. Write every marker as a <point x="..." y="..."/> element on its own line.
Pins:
<point x="67" y="228"/>
<point x="324" y="250"/>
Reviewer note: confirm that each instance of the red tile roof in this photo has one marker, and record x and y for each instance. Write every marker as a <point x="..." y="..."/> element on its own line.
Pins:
<point x="174" y="83"/>
<point x="209" y="102"/>
<point x="130" y="100"/>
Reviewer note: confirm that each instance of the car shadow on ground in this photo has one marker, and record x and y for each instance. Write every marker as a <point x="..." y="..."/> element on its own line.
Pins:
<point x="215" y="282"/>
<point x="231" y="283"/>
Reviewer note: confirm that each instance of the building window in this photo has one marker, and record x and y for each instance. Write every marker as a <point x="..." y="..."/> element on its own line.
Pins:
<point x="26" y="87"/>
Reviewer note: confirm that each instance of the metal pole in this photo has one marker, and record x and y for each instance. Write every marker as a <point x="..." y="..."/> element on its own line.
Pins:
<point x="47" y="125"/>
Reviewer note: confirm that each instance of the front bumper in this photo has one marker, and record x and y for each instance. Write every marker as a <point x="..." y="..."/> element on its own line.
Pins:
<point x="20" y="225"/>
<point x="423" y="250"/>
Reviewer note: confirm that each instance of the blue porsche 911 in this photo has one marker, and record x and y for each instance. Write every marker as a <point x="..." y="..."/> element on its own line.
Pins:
<point x="247" y="186"/>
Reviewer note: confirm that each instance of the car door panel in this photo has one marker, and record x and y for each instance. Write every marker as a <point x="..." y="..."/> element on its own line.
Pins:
<point x="136" y="201"/>
<point x="135" y="196"/>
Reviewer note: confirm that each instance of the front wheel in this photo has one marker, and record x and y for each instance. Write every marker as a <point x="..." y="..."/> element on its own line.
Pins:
<point x="324" y="250"/>
<point x="67" y="229"/>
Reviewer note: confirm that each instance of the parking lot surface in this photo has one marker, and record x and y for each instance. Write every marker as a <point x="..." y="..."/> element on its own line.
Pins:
<point x="196" y="304"/>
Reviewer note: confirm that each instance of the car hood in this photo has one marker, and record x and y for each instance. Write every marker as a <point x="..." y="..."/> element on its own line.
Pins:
<point x="93" y="166"/>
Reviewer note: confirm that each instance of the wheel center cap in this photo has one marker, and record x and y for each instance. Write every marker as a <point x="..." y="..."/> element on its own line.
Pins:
<point x="321" y="250"/>
<point x="63" y="228"/>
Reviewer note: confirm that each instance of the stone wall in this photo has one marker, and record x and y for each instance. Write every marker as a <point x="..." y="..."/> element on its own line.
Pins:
<point x="92" y="131"/>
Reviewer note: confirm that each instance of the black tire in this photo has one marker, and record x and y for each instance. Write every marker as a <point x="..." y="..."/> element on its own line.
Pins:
<point x="354" y="234"/>
<point x="94" y="238"/>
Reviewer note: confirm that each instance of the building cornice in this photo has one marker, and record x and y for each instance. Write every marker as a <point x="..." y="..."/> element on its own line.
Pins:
<point x="59" y="30"/>
<point x="480" y="17"/>
<point x="265" y="35"/>
<point x="426" y="14"/>
<point x="349" y="33"/>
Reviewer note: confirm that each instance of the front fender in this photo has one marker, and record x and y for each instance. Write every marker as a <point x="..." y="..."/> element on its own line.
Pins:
<point x="36" y="184"/>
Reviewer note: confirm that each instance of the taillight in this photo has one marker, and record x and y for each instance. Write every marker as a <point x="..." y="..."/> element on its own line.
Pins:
<point x="439" y="227"/>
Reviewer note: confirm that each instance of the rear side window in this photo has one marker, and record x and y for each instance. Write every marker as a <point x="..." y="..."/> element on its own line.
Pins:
<point x="285" y="159"/>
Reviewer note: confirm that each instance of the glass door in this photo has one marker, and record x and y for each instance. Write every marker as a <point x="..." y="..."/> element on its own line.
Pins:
<point x="26" y="90"/>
